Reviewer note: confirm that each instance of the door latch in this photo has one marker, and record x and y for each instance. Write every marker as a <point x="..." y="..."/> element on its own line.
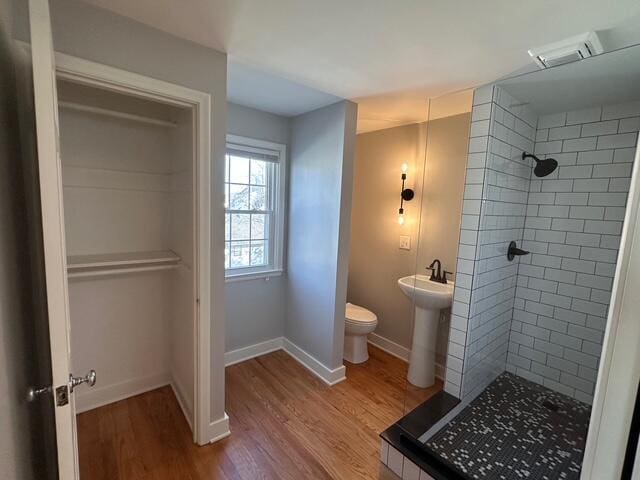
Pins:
<point x="62" y="394"/>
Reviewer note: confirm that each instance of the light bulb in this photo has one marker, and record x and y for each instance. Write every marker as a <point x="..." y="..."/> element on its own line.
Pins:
<point x="401" y="219"/>
<point x="404" y="167"/>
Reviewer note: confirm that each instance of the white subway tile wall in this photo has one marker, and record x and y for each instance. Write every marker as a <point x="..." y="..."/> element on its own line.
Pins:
<point x="573" y="225"/>
<point x="496" y="190"/>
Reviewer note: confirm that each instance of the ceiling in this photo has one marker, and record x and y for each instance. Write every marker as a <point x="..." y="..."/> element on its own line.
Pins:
<point x="255" y="88"/>
<point x="601" y="80"/>
<point x="387" y="56"/>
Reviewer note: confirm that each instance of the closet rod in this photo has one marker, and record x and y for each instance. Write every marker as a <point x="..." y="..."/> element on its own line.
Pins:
<point x="112" y="113"/>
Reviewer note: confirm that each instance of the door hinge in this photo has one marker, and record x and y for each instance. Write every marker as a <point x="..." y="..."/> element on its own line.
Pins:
<point x="62" y="395"/>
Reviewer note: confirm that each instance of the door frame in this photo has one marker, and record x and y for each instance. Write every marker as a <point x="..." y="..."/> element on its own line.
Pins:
<point x="619" y="372"/>
<point x="89" y="73"/>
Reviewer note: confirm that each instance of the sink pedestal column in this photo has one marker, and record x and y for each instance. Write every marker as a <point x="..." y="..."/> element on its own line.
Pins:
<point x="422" y="362"/>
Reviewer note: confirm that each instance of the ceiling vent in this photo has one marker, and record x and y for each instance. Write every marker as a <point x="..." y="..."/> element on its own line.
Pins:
<point x="566" y="51"/>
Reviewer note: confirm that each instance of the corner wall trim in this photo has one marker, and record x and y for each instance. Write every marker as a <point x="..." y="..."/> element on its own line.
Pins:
<point x="219" y="429"/>
<point x="327" y="375"/>
<point x="252" y="351"/>
<point x="183" y="402"/>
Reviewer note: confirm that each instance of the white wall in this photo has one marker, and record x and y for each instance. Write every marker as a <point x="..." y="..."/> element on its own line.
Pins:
<point x="181" y="279"/>
<point x="255" y="308"/>
<point x="128" y="187"/>
<point x="101" y="36"/>
<point x="116" y="183"/>
<point x="320" y="182"/>
<point x="119" y="327"/>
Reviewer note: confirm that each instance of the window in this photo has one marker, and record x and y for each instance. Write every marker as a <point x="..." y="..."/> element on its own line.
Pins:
<point x="254" y="207"/>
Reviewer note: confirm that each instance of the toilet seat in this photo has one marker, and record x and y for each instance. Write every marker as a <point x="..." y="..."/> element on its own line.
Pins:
<point x="358" y="315"/>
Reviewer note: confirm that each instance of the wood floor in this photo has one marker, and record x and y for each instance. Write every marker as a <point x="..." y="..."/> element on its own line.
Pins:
<point x="285" y="423"/>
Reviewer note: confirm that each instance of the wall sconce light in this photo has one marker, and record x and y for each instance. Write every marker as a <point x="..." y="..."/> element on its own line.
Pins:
<point x="406" y="194"/>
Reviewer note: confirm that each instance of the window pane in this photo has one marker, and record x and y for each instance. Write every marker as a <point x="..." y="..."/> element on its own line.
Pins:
<point x="239" y="170"/>
<point x="248" y="187"/>
<point x="258" y="198"/>
<point x="258" y="172"/>
<point x="239" y="197"/>
<point x="240" y="226"/>
<point x="240" y="254"/>
<point x="258" y="256"/>
<point x="259" y="226"/>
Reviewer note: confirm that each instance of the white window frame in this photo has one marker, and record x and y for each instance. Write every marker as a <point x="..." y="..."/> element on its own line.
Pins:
<point x="275" y="267"/>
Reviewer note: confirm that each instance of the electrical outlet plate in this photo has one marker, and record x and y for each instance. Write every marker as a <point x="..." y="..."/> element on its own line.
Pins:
<point x="405" y="242"/>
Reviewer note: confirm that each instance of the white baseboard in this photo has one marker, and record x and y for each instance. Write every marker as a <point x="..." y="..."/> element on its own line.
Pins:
<point x="389" y="346"/>
<point x="327" y="375"/>
<point x="98" y="396"/>
<point x="219" y="429"/>
<point x="252" y="351"/>
<point x="330" y="377"/>
<point x="398" y="351"/>
<point x="183" y="400"/>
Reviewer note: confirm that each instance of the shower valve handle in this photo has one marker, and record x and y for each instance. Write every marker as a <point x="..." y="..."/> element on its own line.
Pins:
<point x="514" y="251"/>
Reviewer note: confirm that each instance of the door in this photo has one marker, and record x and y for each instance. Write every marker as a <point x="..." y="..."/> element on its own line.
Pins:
<point x="36" y="438"/>
<point x="53" y="241"/>
<point x="27" y="429"/>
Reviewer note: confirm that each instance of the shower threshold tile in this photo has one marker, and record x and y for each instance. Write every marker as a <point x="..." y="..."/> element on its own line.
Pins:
<point x="515" y="429"/>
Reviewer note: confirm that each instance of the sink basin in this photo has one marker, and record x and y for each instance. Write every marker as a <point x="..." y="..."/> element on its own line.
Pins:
<point x="427" y="293"/>
<point x="429" y="298"/>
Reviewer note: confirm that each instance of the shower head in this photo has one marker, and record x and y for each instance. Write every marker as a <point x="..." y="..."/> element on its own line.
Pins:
<point x="543" y="167"/>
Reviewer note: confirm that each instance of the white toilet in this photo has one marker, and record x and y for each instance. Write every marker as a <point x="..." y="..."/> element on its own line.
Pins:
<point x="358" y="323"/>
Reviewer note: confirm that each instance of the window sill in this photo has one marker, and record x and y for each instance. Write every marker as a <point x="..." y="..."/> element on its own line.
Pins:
<point x="242" y="277"/>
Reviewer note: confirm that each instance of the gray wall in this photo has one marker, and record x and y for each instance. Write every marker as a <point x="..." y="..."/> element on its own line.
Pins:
<point x="320" y="184"/>
<point x="255" y="309"/>
<point x="98" y="35"/>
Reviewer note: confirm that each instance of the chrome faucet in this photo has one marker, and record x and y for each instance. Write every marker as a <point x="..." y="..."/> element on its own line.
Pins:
<point x="437" y="275"/>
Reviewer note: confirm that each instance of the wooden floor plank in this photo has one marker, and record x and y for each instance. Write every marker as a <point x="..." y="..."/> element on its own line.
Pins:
<point x="285" y="424"/>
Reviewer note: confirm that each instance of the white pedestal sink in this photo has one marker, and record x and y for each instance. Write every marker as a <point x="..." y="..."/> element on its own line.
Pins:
<point x="429" y="298"/>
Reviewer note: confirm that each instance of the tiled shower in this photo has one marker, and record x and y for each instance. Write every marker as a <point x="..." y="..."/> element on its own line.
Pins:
<point x="526" y="334"/>
<point x="542" y="317"/>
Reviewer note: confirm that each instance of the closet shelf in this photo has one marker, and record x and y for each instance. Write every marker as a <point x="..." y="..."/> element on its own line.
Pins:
<point x="113" y="113"/>
<point x="115" y="263"/>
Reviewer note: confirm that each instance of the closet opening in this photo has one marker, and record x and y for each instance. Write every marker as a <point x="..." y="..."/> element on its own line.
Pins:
<point x="137" y="246"/>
